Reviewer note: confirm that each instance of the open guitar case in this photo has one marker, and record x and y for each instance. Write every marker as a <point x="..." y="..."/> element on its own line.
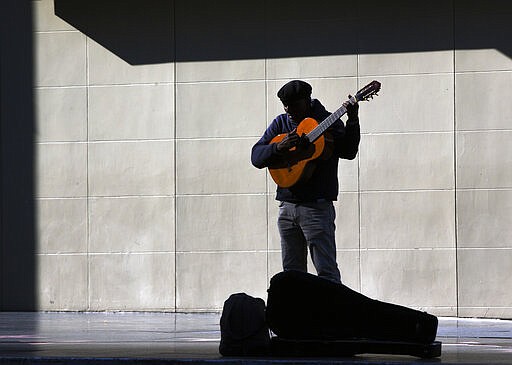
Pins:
<point x="313" y="317"/>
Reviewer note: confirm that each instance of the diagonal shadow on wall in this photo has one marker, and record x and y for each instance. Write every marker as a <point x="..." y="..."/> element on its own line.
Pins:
<point x="193" y="30"/>
<point x="137" y="31"/>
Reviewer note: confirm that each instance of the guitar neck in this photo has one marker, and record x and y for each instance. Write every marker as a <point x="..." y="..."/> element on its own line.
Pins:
<point x="322" y="127"/>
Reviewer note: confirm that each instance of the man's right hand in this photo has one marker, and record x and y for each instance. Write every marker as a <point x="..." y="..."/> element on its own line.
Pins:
<point x="291" y="140"/>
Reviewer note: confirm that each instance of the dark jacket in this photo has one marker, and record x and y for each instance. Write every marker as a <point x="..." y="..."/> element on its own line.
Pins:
<point x="323" y="184"/>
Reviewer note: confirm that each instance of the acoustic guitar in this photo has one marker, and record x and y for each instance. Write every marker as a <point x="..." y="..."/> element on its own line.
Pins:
<point x="314" y="144"/>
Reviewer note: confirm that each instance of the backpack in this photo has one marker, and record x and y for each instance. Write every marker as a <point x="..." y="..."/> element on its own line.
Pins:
<point x="243" y="329"/>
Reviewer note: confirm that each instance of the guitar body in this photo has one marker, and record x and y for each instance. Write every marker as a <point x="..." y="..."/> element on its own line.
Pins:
<point x="300" y="162"/>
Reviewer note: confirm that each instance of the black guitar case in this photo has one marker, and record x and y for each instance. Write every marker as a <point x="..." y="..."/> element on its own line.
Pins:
<point x="309" y="312"/>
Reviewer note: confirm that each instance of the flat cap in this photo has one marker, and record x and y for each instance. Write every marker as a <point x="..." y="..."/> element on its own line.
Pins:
<point x="294" y="90"/>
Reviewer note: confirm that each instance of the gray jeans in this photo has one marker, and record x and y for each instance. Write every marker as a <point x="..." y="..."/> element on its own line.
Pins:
<point x="309" y="225"/>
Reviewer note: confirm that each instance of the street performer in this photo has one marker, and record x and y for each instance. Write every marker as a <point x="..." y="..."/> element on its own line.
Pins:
<point x="306" y="210"/>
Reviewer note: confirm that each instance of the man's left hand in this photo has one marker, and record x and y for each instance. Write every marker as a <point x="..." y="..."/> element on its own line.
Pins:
<point x="352" y="109"/>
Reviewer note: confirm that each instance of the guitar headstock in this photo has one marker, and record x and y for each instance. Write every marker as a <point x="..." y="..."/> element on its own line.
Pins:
<point x="368" y="91"/>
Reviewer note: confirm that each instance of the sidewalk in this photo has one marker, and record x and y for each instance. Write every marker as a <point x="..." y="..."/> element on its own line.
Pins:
<point x="178" y="338"/>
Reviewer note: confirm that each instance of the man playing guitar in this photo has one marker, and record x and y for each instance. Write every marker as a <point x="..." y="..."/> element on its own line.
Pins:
<point x="306" y="212"/>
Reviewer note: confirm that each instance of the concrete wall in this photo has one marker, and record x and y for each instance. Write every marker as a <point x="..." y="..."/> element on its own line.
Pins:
<point x="146" y="198"/>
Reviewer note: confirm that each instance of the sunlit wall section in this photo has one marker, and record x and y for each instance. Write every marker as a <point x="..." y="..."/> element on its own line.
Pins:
<point x="483" y="130"/>
<point x="105" y="156"/>
<point x="146" y="196"/>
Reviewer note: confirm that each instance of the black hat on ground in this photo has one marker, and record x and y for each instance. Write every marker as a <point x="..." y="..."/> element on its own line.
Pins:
<point x="294" y="90"/>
